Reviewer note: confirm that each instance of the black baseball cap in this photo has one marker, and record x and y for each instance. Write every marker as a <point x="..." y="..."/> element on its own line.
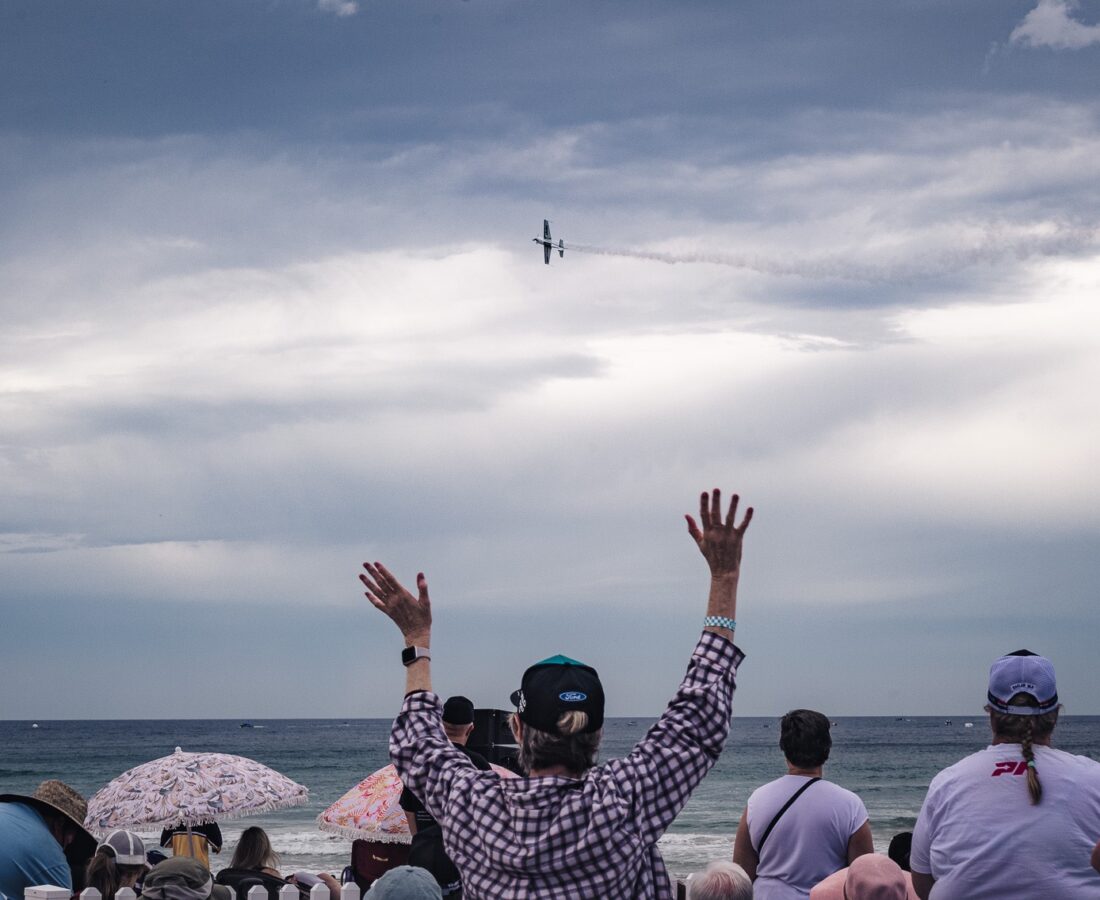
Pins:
<point x="558" y="685"/>
<point x="458" y="711"/>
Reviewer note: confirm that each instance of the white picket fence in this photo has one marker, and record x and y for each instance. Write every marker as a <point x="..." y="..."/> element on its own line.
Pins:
<point x="256" y="892"/>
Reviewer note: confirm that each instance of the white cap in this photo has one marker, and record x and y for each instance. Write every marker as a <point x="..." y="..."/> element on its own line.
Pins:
<point x="127" y="848"/>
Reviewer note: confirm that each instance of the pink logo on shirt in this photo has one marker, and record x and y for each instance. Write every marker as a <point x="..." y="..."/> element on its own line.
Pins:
<point x="1010" y="768"/>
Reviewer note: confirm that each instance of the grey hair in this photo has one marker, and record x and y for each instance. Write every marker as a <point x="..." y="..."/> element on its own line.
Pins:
<point x="574" y="748"/>
<point x="721" y="880"/>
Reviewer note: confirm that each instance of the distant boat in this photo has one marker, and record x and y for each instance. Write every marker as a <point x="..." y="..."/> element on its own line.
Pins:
<point x="35" y="725"/>
<point x="247" y="725"/>
<point x="946" y="721"/>
<point x="968" y="724"/>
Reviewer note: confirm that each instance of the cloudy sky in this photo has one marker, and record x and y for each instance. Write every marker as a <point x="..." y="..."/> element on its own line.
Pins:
<point x="270" y="308"/>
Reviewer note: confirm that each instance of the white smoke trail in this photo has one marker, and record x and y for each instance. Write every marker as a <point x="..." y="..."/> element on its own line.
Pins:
<point x="995" y="244"/>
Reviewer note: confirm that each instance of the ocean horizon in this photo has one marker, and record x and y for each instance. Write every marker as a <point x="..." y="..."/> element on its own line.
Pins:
<point x="887" y="760"/>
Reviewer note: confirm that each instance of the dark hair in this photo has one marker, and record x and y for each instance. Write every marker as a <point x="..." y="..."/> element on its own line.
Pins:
<point x="1024" y="730"/>
<point x="901" y="846"/>
<point x="804" y="738"/>
<point x="574" y="749"/>
<point x="254" y="851"/>
<point x="105" y="873"/>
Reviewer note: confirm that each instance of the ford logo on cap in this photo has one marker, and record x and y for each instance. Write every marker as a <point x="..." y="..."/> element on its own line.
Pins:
<point x="572" y="697"/>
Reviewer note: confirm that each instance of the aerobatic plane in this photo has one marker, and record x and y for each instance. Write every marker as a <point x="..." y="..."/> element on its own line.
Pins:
<point x="548" y="243"/>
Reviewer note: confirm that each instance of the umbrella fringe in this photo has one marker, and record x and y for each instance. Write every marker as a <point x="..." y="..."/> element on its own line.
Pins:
<point x="269" y="806"/>
<point x="356" y="835"/>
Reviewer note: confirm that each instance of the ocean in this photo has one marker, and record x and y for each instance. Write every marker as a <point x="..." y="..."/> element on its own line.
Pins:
<point x="887" y="761"/>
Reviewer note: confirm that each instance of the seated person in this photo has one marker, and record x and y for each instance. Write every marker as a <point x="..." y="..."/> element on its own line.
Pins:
<point x="182" y="877"/>
<point x="118" y="862"/>
<point x="43" y="839"/>
<point x="871" y="877"/>
<point x="254" y="862"/>
<point x="721" y="880"/>
<point x="799" y="829"/>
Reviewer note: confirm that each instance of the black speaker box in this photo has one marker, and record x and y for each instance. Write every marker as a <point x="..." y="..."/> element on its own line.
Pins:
<point x="492" y="736"/>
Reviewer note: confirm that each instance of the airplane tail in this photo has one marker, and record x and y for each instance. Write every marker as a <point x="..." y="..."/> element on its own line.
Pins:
<point x="561" y="249"/>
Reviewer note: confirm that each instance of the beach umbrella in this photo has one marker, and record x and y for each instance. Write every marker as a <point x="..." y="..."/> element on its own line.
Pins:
<point x="372" y="811"/>
<point x="192" y="789"/>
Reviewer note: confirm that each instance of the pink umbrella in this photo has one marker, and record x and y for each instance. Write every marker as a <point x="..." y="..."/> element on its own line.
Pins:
<point x="371" y="810"/>
<point x="192" y="788"/>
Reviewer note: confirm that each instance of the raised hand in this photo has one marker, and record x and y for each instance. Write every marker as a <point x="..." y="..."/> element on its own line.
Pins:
<point x="719" y="540"/>
<point x="413" y="615"/>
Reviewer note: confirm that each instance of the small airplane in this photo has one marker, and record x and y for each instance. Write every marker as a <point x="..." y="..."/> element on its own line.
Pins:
<point x="548" y="243"/>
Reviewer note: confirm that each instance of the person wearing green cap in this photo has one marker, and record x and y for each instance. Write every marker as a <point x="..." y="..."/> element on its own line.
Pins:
<point x="570" y="829"/>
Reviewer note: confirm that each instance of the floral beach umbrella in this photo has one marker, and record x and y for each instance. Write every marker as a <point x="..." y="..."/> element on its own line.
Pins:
<point x="192" y="789"/>
<point x="372" y="809"/>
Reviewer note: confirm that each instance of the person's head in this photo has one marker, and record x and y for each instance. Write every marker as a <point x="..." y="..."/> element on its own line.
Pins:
<point x="721" y="880"/>
<point x="64" y="811"/>
<point x="1023" y="707"/>
<point x="182" y="878"/>
<point x="405" y="883"/>
<point x="870" y="877"/>
<point x="118" y="862"/>
<point x="559" y="716"/>
<point x="901" y="845"/>
<point x="804" y="738"/>
<point x="458" y="719"/>
<point x="254" y="851"/>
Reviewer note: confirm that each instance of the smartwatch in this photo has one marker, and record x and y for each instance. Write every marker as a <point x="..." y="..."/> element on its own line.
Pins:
<point x="411" y="654"/>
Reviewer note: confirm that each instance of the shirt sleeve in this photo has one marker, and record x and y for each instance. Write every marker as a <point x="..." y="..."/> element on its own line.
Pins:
<point x="859" y="816"/>
<point x="59" y="874"/>
<point x="920" y="853"/>
<point x="427" y="762"/>
<point x="662" y="770"/>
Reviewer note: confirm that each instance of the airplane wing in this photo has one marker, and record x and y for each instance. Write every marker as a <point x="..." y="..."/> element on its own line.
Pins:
<point x="546" y="229"/>
<point x="546" y="253"/>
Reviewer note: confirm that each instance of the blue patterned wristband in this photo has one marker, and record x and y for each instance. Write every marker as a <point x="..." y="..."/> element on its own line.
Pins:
<point x="719" y="622"/>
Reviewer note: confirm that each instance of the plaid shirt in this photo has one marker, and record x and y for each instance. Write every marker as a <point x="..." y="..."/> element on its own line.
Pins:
<point x="557" y="838"/>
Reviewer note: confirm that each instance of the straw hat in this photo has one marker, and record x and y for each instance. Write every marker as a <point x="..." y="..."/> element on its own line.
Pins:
<point x="57" y="797"/>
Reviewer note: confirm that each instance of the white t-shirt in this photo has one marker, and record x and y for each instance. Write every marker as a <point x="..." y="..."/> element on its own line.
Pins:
<point x="980" y="837"/>
<point x="809" y="842"/>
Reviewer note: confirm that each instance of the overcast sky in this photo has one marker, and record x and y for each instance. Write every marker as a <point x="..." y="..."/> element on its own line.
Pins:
<point x="271" y="308"/>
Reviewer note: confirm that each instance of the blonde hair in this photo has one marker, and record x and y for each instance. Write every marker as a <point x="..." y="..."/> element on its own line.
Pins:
<point x="572" y="722"/>
<point x="572" y="747"/>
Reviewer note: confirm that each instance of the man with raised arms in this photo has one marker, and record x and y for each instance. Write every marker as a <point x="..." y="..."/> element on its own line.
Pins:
<point x="570" y="829"/>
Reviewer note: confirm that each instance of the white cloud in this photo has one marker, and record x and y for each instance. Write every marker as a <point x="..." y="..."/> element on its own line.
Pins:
<point x="1052" y="24"/>
<point x="339" y="7"/>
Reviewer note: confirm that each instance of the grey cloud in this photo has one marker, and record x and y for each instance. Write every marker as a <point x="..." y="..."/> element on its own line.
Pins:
<point x="1052" y="23"/>
<point x="271" y="308"/>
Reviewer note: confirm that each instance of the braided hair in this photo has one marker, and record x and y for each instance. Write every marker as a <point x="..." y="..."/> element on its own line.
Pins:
<point x="1025" y="730"/>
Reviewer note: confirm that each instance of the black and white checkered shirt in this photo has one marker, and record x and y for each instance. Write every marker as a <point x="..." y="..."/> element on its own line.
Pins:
<point x="557" y="838"/>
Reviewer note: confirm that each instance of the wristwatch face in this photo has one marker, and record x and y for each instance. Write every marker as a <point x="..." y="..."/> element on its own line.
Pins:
<point x="408" y="655"/>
